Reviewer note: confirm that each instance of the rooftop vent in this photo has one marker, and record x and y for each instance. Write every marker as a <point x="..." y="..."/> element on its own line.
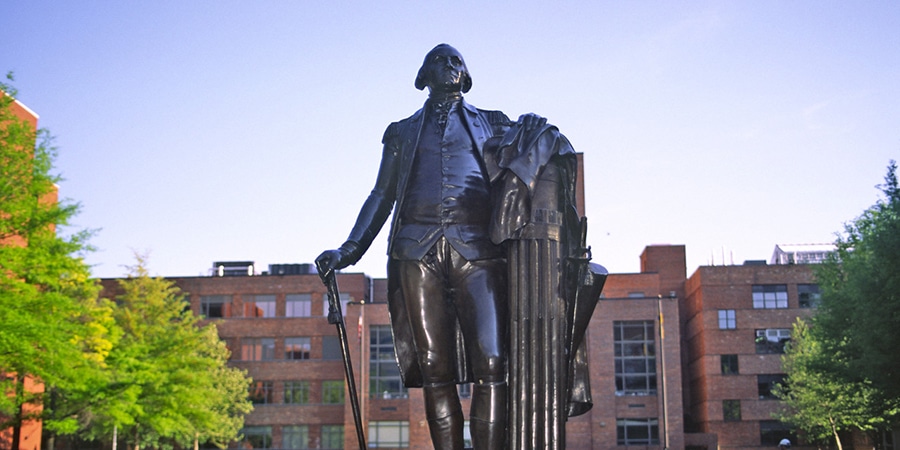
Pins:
<point x="233" y="269"/>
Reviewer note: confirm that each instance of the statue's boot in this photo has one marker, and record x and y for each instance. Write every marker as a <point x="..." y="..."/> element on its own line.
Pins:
<point x="489" y="416"/>
<point x="445" y="417"/>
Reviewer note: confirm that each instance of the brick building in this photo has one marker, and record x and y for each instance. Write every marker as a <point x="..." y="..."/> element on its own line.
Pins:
<point x="735" y="322"/>
<point x="676" y="362"/>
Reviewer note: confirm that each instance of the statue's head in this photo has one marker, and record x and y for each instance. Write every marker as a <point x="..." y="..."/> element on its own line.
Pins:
<point x="444" y="70"/>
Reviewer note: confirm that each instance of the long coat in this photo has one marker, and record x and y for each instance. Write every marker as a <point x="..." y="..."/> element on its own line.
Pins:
<point x="401" y="139"/>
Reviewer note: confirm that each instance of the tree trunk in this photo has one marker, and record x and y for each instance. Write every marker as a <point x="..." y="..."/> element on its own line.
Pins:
<point x="115" y="442"/>
<point x="834" y="431"/>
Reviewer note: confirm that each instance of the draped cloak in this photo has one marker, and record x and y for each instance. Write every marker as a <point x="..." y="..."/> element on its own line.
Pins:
<point x="553" y="288"/>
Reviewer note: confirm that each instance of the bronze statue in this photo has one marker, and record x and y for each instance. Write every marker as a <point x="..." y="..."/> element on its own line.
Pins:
<point x="447" y="280"/>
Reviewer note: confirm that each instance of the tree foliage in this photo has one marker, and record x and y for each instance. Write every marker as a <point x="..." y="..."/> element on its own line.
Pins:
<point x="52" y="328"/>
<point x="170" y="383"/>
<point x="822" y="396"/>
<point x="843" y="370"/>
<point x="861" y="290"/>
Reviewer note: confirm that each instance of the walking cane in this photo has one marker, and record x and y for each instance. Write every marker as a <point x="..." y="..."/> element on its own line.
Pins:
<point x="336" y="317"/>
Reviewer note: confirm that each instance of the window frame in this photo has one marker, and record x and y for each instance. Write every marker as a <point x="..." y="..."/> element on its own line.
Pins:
<point x="809" y="295"/>
<point x="766" y="346"/>
<point x="207" y="301"/>
<point x="296" y="392"/>
<point x="765" y="385"/>
<point x="332" y="389"/>
<point x="731" y="410"/>
<point x="730" y="364"/>
<point x="727" y="319"/>
<point x="384" y="374"/>
<point x="379" y="427"/>
<point x="252" y="307"/>
<point x="264" y="431"/>
<point x="298" y="305"/>
<point x="769" y="296"/>
<point x="257" y="349"/>
<point x="262" y="392"/>
<point x="303" y="353"/>
<point x="632" y="354"/>
<point x="331" y="434"/>
<point x="630" y="431"/>
<point x="295" y="432"/>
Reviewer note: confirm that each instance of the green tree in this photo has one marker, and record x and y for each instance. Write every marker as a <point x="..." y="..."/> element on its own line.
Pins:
<point x="821" y="395"/>
<point x="861" y="290"/>
<point x="847" y="358"/>
<point x="170" y="383"/>
<point x="52" y="329"/>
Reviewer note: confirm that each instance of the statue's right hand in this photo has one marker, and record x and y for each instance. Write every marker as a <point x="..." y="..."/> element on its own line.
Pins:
<point x="332" y="260"/>
<point x="328" y="262"/>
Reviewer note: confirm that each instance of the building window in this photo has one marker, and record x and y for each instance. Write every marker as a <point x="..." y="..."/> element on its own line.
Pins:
<point x="635" y="358"/>
<point x="262" y="393"/>
<point x="384" y="373"/>
<point x="256" y="437"/>
<point x="331" y="348"/>
<point x="809" y="295"/>
<point x="259" y="306"/>
<point x="296" y="392"/>
<point x="729" y="364"/>
<point x="731" y="410"/>
<point x="727" y="320"/>
<point x="333" y="392"/>
<point x="345" y="299"/>
<point x="332" y="437"/>
<point x="464" y="390"/>
<point x="295" y="436"/>
<point x="637" y="431"/>
<point x="213" y="306"/>
<point x="771" y="432"/>
<point x="767" y="385"/>
<point x="772" y="340"/>
<point x="770" y="296"/>
<point x="296" y="348"/>
<point x="389" y="434"/>
<point x="297" y="305"/>
<point x="257" y="349"/>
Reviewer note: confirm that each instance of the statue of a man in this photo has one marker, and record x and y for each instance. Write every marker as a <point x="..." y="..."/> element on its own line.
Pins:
<point x="447" y="281"/>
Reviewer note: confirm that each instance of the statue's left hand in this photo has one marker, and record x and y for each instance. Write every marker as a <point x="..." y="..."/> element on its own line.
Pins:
<point x="531" y="121"/>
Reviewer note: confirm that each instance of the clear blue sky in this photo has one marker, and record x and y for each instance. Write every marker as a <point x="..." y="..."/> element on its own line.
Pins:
<point x="208" y="130"/>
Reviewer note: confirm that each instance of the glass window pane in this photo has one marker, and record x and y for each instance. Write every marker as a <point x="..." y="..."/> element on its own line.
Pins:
<point x="634" y="362"/>
<point x="296" y="348"/>
<point x="295" y="436"/>
<point x="298" y="305"/>
<point x="331" y="348"/>
<point x="259" y="306"/>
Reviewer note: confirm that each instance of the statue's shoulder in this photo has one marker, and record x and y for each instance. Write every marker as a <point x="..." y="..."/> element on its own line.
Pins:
<point x="395" y="129"/>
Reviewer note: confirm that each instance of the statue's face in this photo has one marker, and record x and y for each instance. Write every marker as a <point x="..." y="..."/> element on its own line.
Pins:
<point x="444" y="69"/>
